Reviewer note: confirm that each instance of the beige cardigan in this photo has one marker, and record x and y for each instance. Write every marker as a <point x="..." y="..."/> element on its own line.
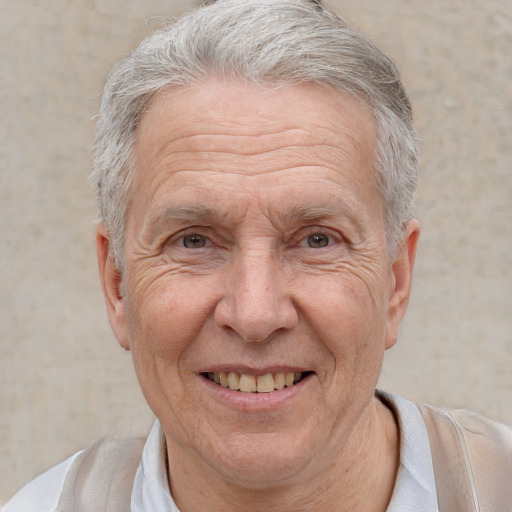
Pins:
<point x="472" y="459"/>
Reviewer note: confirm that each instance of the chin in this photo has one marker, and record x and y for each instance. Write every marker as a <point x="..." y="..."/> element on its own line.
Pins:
<point x="255" y="461"/>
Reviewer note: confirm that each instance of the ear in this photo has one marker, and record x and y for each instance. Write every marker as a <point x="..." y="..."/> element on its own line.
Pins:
<point x="111" y="279"/>
<point x="401" y="280"/>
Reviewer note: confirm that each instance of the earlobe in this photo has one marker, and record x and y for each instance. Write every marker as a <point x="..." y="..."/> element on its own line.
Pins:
<point x="401" y="280"/>
<point x="111" y="278"/>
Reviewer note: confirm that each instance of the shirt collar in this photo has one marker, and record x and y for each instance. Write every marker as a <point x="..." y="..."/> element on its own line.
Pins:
<point x="151" y="486"/>
<point x="415" y="487"/>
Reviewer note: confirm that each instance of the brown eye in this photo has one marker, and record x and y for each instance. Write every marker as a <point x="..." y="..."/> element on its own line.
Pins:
<point x="194" y="241"/>
<point x="318" y="240"/>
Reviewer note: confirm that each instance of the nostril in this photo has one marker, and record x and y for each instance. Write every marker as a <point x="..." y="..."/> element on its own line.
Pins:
<point x="256" y="326"/>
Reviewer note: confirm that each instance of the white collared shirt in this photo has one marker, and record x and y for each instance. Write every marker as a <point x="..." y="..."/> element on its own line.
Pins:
<point x="415" y="488"/>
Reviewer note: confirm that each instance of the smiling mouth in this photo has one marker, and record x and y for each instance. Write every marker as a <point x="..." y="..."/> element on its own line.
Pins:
<point x="256" y="383"/>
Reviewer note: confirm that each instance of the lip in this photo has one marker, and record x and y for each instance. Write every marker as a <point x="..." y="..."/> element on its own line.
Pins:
<point x="254" y="402"/>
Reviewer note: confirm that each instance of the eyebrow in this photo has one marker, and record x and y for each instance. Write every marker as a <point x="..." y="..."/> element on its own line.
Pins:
<point x="300" y="212"/>
<point x="311" y="212"/>
<point x="304" y="211"/>
<point x="188" y="213"/>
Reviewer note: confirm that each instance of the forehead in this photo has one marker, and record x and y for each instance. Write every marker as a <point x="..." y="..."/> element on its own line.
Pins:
<point x="229" y="136"/>
<point x="309" y="112"/>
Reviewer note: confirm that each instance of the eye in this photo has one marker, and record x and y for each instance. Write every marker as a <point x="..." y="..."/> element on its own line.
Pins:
<point x="194" y="241"/>
<point x="318" y="240"/>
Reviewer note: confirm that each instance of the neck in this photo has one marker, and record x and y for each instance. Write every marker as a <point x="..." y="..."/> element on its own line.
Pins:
<point x="359" y="476"/>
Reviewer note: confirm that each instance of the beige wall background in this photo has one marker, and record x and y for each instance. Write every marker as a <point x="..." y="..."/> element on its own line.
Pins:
<point x="63" y="380"/>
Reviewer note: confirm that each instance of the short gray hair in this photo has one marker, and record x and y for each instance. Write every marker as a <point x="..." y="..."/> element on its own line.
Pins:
<point x="266" y="43"/>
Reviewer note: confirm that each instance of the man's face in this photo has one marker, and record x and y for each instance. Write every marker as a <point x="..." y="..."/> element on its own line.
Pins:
<point x="256" y="252"/>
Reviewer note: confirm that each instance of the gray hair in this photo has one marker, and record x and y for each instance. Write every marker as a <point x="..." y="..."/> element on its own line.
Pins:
<point x="266" y="43"/>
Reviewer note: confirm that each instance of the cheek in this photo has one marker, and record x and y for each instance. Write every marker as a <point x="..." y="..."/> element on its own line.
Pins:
<point x="165" y="322"/>
<point x="351" y="324"/>
<point x="165" y="318"/>
<point x="344" y="306"/>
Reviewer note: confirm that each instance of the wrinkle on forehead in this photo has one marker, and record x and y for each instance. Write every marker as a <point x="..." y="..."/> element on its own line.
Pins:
<point x="208" y="118"/>
<point x="266" y="154"/>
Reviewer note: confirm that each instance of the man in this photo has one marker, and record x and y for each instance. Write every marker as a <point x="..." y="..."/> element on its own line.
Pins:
<point x="256" y="166"/>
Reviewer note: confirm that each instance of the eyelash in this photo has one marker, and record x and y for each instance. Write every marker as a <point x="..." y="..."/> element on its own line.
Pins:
<point x="330" y="237"/>
<point x="192" y="235"/>
<point x="303" y="241"/>
<point x="321" y="238"/>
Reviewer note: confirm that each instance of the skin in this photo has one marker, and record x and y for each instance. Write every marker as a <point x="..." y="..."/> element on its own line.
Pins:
<point x="255" y="242"/>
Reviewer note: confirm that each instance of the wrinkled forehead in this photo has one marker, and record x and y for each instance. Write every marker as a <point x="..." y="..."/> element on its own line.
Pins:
<point x="237" y="128"/>
<point x="237" y="109"/>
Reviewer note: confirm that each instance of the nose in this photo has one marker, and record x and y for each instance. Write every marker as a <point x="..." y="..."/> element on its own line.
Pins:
<point x="256" y="303"/>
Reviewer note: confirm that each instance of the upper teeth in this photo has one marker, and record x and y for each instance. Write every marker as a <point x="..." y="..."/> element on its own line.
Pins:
<point x="255" y="383"/>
